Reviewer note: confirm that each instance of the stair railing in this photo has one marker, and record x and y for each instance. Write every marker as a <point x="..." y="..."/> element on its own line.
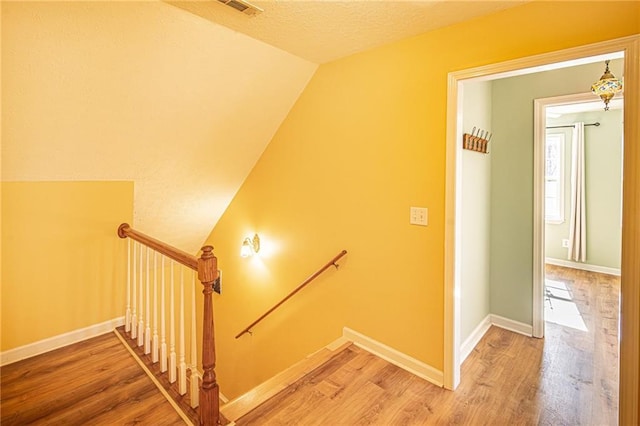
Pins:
<point x="332" y="262"/>
<point x="206" y="396"/>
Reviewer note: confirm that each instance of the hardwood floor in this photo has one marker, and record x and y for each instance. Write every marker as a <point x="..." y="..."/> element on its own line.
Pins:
<point x="568" y="378"/>
<point x="93" y="382"/>
<point x="587" y="360"/>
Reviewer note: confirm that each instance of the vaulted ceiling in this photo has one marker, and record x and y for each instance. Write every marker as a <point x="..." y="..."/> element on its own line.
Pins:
<point x="182" y="106"/>
<point x="142" y="92"/>
<point x="321" y="31"/>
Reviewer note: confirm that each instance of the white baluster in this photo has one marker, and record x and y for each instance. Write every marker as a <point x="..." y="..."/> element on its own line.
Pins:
<point x="163" y="326"/>
<point x="147" y="301"/>
<point x="172" y="332"/>
<point x="194" y="396"/>
<point x="182" y="366"/>
<point x="154" y="346"/>
<point x="127" y="315"/>
<point x="134" y="315"/>
<point x="140" y="288"/>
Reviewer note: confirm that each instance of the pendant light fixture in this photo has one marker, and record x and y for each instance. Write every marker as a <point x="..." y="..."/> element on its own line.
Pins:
<point x="607" y="86"/>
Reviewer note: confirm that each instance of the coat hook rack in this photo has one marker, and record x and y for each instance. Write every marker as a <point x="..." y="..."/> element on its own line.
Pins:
<point x="477" y="140"/>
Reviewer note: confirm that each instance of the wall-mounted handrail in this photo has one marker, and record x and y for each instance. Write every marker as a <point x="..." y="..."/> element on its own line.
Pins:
<point x="332" y="262"/>
<point x="124" y="231"/>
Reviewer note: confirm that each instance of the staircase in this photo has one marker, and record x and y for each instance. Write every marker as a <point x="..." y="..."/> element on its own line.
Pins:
<point x="182" y="402"/>
<point x="248" y="403"/>
<point x="160" y="320"/>
<point x="161" y="330"/>
<point x="342" y="384"/>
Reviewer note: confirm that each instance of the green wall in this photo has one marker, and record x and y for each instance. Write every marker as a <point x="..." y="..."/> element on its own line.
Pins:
<point x="475" y="208"/>
<point x="512" y="180"/>
<point x="603" y="163"/>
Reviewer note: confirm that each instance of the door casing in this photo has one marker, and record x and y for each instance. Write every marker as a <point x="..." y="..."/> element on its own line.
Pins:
<point x="630" y="266"/>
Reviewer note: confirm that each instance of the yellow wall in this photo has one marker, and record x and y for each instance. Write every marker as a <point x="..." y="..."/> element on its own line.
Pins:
<point x="365" y="141"/>
<point x="142" y="91"/>
<point x="63" y="264"/>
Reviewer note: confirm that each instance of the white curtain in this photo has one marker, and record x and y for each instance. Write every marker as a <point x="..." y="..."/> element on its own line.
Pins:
<point x="577" y="217"/>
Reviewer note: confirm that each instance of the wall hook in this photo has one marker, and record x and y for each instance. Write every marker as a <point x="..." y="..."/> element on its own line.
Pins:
<point x="477" y="140"/>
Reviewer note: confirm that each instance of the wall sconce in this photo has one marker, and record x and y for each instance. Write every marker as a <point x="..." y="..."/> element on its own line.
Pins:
<point x="607" y="86"/>
<point x="250" y="246"/>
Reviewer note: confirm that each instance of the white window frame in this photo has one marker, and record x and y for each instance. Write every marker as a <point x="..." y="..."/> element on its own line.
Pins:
<point x="557" y="139"/>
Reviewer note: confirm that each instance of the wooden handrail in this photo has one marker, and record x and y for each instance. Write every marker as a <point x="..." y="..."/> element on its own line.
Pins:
<point x="332" y="262"/>
<point x="207" y="267"/>
<point x="189" y="260"/>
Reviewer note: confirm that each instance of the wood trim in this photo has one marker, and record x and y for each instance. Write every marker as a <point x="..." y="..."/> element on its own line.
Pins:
<point x="583" y="266"/>
<point x="630" y="307"/>
<point x="511" y="325"/>
<point x="395" y="357"/>
<point x="189" y="260"/>
<point x="539" y="132"/>
<point x="32" y="349"/>
<point x="545" y="61"/>
<point x="452" y="246"/>
<point x="476" y="335"/>
<point x="474" y="338"/>
<point x="629" y="403"/>
<point x="246" y="402"/>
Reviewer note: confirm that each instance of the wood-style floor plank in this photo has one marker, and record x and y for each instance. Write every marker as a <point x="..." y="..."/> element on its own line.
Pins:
<point x="93" y="382"/>
<point x="567" y="378"/>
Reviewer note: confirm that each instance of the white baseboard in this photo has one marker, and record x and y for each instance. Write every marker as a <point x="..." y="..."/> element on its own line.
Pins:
<point x="222" y="397"/>
<point x="474" y="338"/>
<point x="340" y="341"/>
<point x="395" y="357"/>
<point x="583" y="266"/>
<point x="511" y="325"/>
<point x="55" y="342"/>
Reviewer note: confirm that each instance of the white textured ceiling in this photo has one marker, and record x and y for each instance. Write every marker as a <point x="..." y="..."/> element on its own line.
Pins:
<point x="142" y="92"/>
<point x="321" y="31"/>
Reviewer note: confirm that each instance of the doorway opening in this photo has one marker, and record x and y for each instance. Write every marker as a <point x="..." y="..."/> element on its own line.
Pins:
<point x="555" y="160"/>
<point x="455" y="130"/>
<point x="598" y="205"/>
<point x="581" y="281"/>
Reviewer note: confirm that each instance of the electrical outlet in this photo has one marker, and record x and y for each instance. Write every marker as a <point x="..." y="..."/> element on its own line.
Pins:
<point x="419" y="216"/>
<point x="565" y="243"/>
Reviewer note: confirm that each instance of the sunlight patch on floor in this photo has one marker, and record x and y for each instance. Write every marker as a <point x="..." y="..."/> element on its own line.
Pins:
<point x="559" y="307"/>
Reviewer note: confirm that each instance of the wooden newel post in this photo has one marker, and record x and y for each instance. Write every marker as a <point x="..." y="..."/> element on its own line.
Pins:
<point x="209" y="396"/>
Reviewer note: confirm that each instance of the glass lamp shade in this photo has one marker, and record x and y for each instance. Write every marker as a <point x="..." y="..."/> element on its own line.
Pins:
<point x="245" y="250"/>
<point x="607" y="86"/>
<point x="250" y="246"/>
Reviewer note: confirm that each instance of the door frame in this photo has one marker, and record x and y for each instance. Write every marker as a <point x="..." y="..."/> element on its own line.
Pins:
<point x="630" y="267"/>
<point x="539" y="132"/>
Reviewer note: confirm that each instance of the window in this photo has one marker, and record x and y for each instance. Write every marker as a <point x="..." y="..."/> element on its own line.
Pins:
<point x="554" y="179"/>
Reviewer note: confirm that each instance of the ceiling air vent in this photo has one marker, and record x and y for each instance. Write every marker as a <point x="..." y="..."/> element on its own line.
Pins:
<point x="242" y="6"/>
